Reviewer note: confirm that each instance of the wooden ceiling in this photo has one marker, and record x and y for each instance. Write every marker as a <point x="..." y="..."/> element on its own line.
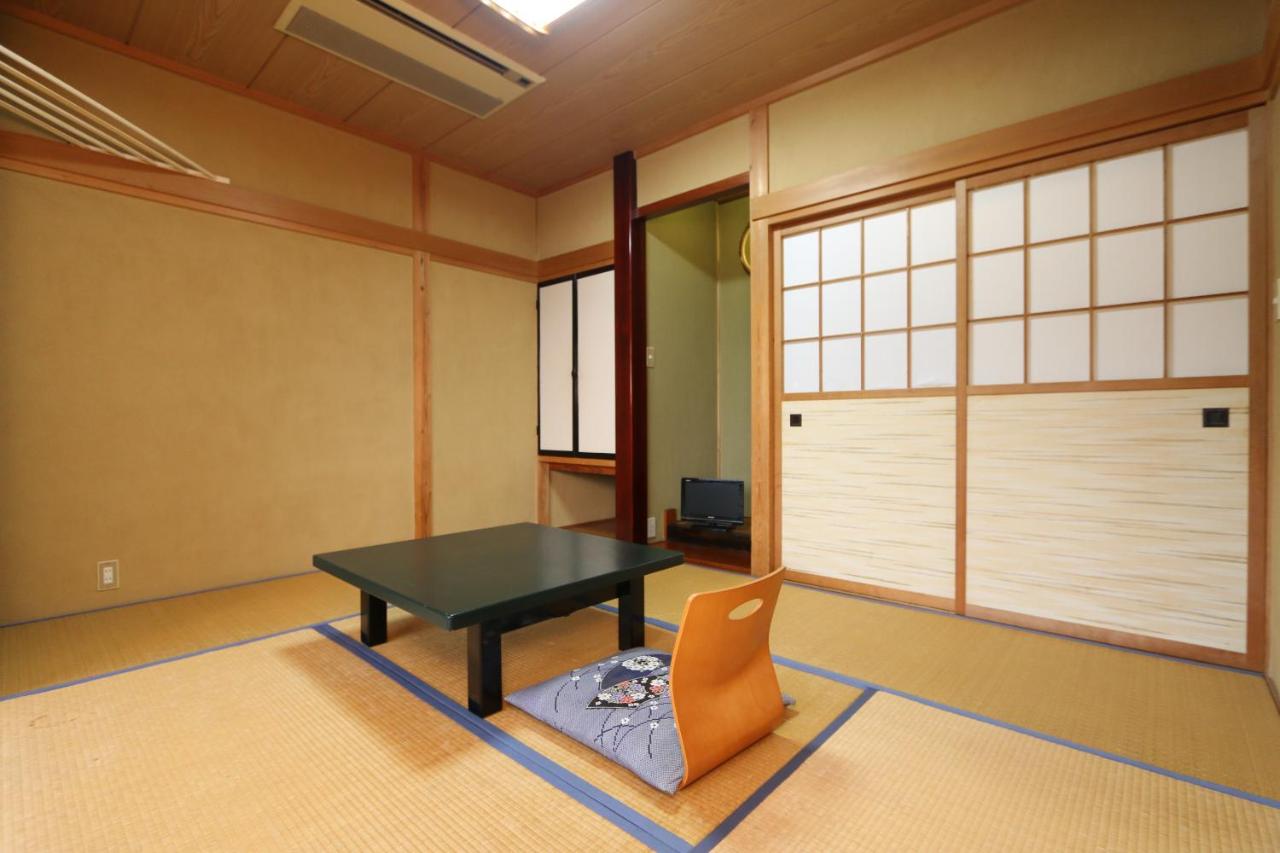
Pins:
<point x="621" y="74"/>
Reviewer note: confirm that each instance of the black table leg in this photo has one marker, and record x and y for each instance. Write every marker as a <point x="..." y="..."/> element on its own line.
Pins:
<point x="631" y="614"/>
<point x="373" y="619"/>
<point x="484" y="669"/>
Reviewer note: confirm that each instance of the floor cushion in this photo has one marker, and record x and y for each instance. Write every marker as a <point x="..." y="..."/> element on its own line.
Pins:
<point x="619" y="706"/>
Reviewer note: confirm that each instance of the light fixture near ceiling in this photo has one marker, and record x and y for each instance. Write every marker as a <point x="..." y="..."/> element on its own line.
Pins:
<point x="533" y="15"/>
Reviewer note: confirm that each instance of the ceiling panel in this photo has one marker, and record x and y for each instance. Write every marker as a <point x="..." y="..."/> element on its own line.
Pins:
<point x="111" y="19"/>
<point x="229" y="38"/>
<point x="666" y="41"/>
<point x="814" y="43"/>
<point x="406" y="114"/>
<point x="621" y="74"/>
<point x="318" y="79"/>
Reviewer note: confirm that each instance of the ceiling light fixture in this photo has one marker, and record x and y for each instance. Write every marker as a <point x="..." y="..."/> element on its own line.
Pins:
<point x="533" y="15"/>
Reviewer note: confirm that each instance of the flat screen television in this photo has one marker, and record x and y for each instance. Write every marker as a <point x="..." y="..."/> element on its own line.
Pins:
<point x="714" y="503"/>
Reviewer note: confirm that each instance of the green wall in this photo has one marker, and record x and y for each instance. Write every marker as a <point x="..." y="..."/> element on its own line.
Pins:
<point x="733" y="286"/>
<point x="699" y="327"/>
<point x="681" y="286"/>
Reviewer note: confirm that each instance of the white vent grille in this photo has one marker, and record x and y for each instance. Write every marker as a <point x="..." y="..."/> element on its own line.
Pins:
<point x="398" y="41"/>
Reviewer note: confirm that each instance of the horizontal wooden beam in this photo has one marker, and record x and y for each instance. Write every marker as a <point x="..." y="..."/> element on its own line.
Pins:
<point x="1214" y="91"/>
<point x="579" y="260"/>
<point x="733" y="186"/>
<point x="33" y="155"/>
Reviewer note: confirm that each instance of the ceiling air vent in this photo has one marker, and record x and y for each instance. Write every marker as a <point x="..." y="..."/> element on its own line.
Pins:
<point x="397" y="40"/>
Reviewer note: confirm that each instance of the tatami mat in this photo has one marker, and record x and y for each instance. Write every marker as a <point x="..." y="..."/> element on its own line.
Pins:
<point x="539" y="652"/>
<point x="54" y="651"/>
<point x="291" y="743"/>
<point x="903" y="776"/>
<point x="1208" y="722"/>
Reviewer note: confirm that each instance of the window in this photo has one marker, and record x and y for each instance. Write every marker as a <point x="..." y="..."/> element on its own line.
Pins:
<point x="870" y="303"/>
<point x="576" y="365"/>
<point x="1132" y="267"/>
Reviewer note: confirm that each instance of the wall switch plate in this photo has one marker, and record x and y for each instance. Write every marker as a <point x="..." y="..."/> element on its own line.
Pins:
<point x="796" y="420"/>
<point x="652" y="528"/>
<point x="648" y="356"/>
<point x="1215" y="418"/>
<point x="109" y="574"/>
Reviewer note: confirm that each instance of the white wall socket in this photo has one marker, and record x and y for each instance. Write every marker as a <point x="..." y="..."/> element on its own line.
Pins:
<point x="653" y="527"/>
<point x="109" y="574"/>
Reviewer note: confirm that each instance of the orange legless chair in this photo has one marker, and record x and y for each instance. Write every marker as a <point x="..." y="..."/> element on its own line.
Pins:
<point x="724" y="691"/>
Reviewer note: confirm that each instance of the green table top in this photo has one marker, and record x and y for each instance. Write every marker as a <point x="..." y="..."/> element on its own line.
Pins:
<point x="463" y="579"/>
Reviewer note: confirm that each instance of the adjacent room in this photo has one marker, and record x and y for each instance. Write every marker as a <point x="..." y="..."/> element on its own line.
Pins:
<point x="696" y="424"/>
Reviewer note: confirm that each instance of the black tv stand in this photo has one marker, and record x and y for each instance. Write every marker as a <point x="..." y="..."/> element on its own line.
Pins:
<point x="725" y="547"/>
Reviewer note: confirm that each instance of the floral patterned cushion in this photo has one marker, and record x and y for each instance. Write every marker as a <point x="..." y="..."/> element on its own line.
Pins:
<point x="620" y="707"/>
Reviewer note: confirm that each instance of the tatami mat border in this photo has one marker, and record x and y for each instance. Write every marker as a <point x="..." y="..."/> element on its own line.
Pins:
<point x="191" y="654"/>
<point x="160" y="598"/>
<point x="853" y="681"/>
<point x="619" y="814"/>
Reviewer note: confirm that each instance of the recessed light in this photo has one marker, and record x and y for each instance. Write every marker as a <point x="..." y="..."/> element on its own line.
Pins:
<point x="533" y="15"/>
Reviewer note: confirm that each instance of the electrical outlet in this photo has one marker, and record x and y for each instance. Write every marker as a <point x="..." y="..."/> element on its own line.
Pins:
<point x="109" y="574"/>
<point x="648" y="357"/>
<point x="653" y="527"/>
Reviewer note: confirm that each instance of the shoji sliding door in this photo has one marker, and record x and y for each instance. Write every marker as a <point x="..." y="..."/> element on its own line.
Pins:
<point x="869" y="426"/>
<point x="1051" y="371"/>
<point x="576" y="365"/>
<point x="1121" y="285"/>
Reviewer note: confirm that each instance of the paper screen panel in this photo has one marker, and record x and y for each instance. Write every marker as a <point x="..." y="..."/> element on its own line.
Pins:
<point x="800" y="367"/>
<point x="1210" y="256"/>
<point x="1129" y="343"/>
<point x="1130" y="190"/>
<point x="1130" y="266"/>
<point x="933" y="295"/>
<point x="933" y="358"/>
<point x="1058" y="348"/>
<point x="996" y="284"/>
<point x="1058" y="204"/>
<point x="996" y="217"/>
<point x="885" y="301"/>
<point x="800" y="313"/>
<point x="1209" y="337"/>
<point x="842" y="307"/>
<point x="886" y="361"/>
<point x="995" y="352"/>
<point x="842" y="251"/>
<point x="886" y="242"/>
<point x="933" y="232"/>
<point x="1209" y="175"/>
<point x="555" y="367"/>
<point x="597" y="426"/>
<point x="841" y="364"/>
<point x="1059" y="276"/>
<point x="800" y="259"/>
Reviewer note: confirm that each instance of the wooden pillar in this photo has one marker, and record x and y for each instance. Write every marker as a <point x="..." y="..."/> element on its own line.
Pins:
<point x="632" y="495"/>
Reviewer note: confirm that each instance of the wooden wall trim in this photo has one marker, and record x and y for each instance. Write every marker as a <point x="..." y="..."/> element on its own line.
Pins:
<point x="759" y="131"/>
<point x="962" y="395"/>
<point x="765" y="409"/>
<point x="1214" y="91"/>
<point x="1112" y="637"/>
<point x="631" y="457"/>
<point x="45" y="158"/>
<point x="734" y="186"/>
<point x="1259" y="381"/>
<point x="422" y="467"/>
<point x="1269" y="59"/>
<point x="57" y="25"/>
<point x="869" y="590"/>
<point x="579" y="260"/>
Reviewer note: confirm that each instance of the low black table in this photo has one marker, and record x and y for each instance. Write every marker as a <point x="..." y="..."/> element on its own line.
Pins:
<point x="496" y="580"/>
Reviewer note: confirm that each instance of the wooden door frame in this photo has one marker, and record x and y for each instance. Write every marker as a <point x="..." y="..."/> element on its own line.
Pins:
<point x="631" y="499"/>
